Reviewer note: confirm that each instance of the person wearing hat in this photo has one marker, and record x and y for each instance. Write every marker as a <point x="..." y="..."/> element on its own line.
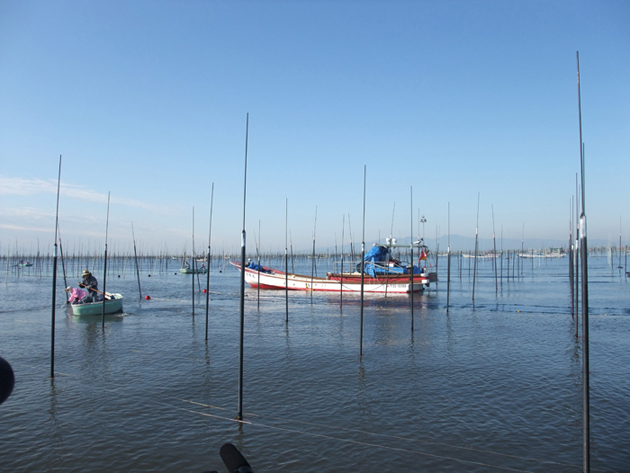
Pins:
<point x="90" y="283"/>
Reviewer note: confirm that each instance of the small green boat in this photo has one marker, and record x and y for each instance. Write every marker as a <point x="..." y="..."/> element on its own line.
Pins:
<point x="185" y="270"/>
<point x="96" y="308"/>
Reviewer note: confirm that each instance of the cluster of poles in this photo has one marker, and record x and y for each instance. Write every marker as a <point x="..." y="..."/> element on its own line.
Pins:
<point x="578" y="276"/>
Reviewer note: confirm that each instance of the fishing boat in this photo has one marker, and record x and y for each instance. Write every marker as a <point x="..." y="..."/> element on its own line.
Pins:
<point x="383" y="274"/>
<point x="115" y="304"/>
<point x="188" y="270"/>
<point x="22" y="264"/>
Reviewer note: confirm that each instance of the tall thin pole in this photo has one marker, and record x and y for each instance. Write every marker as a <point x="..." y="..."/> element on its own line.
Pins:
<point x="239" y="415"/>
<point x="411" y="269"/>
<point x="209" y="259"/>
<point x="105" y="266"/>
<point x="362" y="263"/>
<point x="192" y="261"/>
<point x="258" y="250"/>
<point x="286" y="259"/>
<point x="135" y="255"/>
<point x="571" y="258"/>
<point x="448" y="264"/>
<point x="313" y="262"/>
<point x="343" y="228"/>
<point x="476" y="247"/>
<point x="584" y="256"/>
<point x="577" y="254"/>
<point x="494" y="239"/>
<point x="54" y="285"/>
<point x="63" y="266"/>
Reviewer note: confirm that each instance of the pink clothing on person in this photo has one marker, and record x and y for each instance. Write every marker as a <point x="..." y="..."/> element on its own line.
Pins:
<point x="76" y="295"/>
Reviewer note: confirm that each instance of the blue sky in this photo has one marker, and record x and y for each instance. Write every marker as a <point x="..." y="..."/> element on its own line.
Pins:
<point x="148" y="101"/>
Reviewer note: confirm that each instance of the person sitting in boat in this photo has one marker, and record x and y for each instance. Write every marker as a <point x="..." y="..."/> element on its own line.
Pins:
<point x="90" y="283"/>
<point x="75" y="295"/>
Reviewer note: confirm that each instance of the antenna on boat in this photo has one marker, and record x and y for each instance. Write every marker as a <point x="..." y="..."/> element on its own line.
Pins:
<point x="239" y="415"/>
<point x="54" y="292"/>
<point x="209" y="259"/>
<point x="105" y="265"/>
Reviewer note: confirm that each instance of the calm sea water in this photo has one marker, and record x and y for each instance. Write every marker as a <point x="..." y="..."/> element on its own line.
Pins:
<point x="494" y="386"/>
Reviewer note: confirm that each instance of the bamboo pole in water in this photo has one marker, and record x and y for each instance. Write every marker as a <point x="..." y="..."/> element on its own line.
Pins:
<point x="192" y="260"/>
<point x="239" y="415"/>
<point x="577" y="256"/>
<point x="411" y="270"/>
<point x="584" y="256"/>
<point x="494" y="258"/>
<point x="209" y="259"/>
<point x="313" y="261"/>
<point x="343" y="227"/>
<point x="54" y="288"/>
<point x="63" y="265"/>
<point x="362" y="263"/>
<point x="257" y="241"/>
<point x="105" y="267"/>
<point x="571" y="258"/>
<point x="135" y="254"/>
<point x="476" y="248"/>
<point x="448" y="261"/>
<point x="286" y="259"/>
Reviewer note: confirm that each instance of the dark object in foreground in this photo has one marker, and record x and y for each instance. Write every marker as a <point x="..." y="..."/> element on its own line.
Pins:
<point x="7" y="380"/>
<point x="234" y="461"/>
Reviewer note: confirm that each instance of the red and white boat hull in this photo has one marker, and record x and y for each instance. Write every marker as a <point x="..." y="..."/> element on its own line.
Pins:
<point x="269" y="278"/>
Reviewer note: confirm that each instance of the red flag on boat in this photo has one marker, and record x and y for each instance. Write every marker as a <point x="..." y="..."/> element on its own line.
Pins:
<point x="423" y="255"/>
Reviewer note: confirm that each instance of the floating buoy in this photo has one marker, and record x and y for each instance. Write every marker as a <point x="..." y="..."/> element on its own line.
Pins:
<point x="149" y="275"/>
<point x="204" y="291"/>
<point x="119" y="275"/>
<point x="146" y="298"/>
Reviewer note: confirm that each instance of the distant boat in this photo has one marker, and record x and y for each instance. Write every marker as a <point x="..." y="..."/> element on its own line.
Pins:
<point x="186" y="269"/>
<point x="96" y="308"/>
<point x="383" y="274"/>
<point x="551" y="254"/>
<point x="479" y="256"/>
<point x="22" y="264"/>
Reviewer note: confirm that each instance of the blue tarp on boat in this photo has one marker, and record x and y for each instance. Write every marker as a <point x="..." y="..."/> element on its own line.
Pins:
<point x="377" y="253"/>
<point x="376" y="263"/>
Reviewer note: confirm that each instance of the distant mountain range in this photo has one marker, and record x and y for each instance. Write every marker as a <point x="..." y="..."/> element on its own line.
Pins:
<point x="462" y="243"/>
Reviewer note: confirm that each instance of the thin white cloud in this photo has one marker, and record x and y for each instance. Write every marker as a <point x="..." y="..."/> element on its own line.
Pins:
<point x="27" y="187"/>
<point x="22" y="228"/>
